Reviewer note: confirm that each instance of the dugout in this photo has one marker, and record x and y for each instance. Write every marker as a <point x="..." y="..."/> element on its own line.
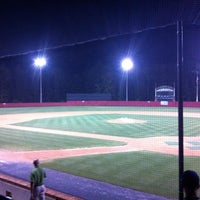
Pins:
<point x="165" y="93"/>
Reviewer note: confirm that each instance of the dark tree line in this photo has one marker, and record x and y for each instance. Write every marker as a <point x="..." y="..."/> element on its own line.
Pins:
<point x="96" y="68"/>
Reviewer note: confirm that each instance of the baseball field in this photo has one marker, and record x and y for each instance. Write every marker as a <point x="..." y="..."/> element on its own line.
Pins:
<point x="133" y="147"/>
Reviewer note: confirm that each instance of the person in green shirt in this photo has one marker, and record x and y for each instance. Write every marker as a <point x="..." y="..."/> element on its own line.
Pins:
<point x="37" y="176"/>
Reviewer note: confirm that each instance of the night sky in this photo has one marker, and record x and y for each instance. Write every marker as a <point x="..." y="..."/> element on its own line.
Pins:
<point x="85" y="41"/>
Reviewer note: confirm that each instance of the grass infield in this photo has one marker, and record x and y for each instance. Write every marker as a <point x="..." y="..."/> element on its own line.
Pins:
<point x="145" y="171"/>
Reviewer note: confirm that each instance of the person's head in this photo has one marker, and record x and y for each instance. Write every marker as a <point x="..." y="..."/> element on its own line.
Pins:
<point x="36" y="162"/>
<point x="190" y="182"/>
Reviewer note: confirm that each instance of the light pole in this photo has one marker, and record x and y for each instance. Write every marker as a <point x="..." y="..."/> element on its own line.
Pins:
<point x="40" y="62"/>
<point x="197" y="86"/>
<point x="127" y="64"/>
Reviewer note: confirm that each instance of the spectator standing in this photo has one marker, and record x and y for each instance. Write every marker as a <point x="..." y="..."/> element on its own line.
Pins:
<point x="37" y="176"/>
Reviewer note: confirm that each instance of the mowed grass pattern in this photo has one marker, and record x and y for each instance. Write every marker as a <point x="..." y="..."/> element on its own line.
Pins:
<point x="98" y="123"/>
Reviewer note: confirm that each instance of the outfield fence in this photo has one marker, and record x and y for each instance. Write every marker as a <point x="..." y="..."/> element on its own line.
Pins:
<point x="103" y="103"/>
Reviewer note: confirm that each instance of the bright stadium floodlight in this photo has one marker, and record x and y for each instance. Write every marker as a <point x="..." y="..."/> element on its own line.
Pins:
<point x="127" y="64"/>
<point x="40" y="62"/>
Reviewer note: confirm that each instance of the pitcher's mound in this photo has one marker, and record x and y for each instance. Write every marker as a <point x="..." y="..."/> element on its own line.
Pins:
<point x="125" y="120"/>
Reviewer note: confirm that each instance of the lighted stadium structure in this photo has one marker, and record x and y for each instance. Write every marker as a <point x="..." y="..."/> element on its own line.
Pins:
<point x="165" y="93"/>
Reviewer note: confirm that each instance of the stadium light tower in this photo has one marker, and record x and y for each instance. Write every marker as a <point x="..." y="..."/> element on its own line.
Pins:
<point x="127" y="64"/>
<point x="197" y="86"/>
<point x="40" y="62"/>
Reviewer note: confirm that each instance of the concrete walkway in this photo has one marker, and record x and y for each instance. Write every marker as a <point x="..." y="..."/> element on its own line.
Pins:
<point x="77" y="186"/>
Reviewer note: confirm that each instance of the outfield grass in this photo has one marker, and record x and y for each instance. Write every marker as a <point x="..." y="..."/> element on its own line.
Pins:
<point x="85" y="108"/>
<point x="149" y="172"/>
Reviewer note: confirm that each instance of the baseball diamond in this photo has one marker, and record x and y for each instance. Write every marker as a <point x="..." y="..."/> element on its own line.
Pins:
<point x="163" y="144"/>
<point x="35" y="122"/>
